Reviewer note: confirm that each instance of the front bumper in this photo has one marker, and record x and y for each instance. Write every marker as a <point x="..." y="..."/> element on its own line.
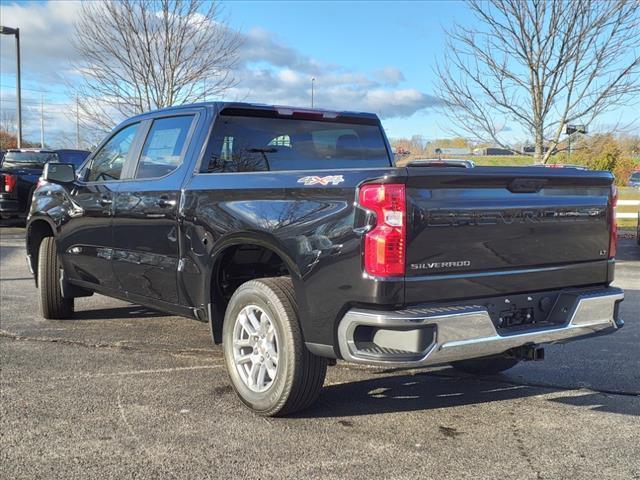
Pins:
<point x="439" y="335"/>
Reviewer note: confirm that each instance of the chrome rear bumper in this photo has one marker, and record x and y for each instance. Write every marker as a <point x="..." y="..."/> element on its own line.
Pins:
<point x="430" y="336"/>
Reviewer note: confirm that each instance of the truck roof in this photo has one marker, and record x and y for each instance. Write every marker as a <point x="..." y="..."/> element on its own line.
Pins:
<point x="261" y="106"/>
<point x="29" y="150"/>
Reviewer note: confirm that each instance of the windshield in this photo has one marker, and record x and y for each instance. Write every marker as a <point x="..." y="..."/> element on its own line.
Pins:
<point x="635" y="176"/>
<point x="39" y="158"/>
<point x="246" y="143"/>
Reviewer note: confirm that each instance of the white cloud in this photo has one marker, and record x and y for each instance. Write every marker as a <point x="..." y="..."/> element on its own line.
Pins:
<point x="273" y="72"/>
<point x="269" y="70"/>
<point x="262" y="47"/>
<point x="333" y="91"/>
<point x="390" y="76"/>
<point x="46" y="30"/>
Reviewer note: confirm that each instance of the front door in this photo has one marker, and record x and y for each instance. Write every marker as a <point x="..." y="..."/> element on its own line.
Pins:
<point x="145" y="225"/>
<point x="86" y="240"/>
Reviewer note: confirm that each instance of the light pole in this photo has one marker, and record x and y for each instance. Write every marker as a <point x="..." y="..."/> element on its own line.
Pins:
<point x="570" y="130"/>
<point x="16" y="33"/>
<point x="313" y="80"/>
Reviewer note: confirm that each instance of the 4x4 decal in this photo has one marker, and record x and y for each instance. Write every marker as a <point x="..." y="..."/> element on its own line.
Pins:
<point x="315" y="180"/>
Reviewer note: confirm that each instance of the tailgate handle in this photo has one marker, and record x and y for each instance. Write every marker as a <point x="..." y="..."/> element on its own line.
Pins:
<point x="526" y="185"/>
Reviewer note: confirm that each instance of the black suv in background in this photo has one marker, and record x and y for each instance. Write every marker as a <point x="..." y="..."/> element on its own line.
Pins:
<point x="19" y="173"/>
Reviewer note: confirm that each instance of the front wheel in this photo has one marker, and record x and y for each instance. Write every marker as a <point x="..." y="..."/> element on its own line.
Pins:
<point x="53" y="306"/>
<point x="268" y="364"/>
<point x="486" y="365"/>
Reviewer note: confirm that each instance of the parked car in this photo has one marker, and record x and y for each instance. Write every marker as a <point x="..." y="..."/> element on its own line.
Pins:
<point x="291" y="233"/>
<point x="634" y="179"/>
<point x="19" y="173"/>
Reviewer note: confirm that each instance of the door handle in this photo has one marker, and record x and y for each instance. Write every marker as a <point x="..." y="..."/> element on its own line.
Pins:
<point x="164" y="202"/>
<point x="104" y="201"/>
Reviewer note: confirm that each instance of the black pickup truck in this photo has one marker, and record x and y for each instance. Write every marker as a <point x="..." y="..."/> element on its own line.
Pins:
<point x="291" y="233"/>
<point x="20" y="170"/>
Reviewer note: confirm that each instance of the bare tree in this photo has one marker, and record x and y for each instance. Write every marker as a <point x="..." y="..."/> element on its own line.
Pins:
<point x="7" y="121"/>
<point x="139" y="55"/>
<point x="540" y="65"/>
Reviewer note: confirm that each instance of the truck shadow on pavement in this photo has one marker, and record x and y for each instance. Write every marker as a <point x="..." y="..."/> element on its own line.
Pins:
<point x="442" y="389"/>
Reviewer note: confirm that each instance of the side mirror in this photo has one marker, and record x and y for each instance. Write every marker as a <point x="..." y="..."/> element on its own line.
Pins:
<point x="59" y="172"/>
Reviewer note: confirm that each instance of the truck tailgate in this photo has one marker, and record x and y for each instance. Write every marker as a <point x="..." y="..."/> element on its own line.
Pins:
<point x="490" y="231"/>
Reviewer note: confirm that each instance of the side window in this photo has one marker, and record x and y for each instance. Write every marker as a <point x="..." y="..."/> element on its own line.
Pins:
<point x="164" y="147"/>
<point x="107" y="164"/>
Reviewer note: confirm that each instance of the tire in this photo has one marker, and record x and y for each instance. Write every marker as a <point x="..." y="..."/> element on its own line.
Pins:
<point x="52" y="305"/>
<point x="486" y="365"/>
<point x="298" y="377"/>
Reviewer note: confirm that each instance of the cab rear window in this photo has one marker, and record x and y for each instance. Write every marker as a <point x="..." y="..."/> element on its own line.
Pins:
<point x="36" y="158"/>
<point x="257" y="143"/>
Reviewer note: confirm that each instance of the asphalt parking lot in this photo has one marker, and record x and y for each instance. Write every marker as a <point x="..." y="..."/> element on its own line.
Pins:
<point x="125" y="392"/>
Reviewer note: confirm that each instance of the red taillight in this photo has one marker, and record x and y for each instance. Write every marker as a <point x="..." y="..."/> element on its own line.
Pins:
<point x="10" y="182"/>
<point x="384" y="245"/>
<point x="613" y="226"/>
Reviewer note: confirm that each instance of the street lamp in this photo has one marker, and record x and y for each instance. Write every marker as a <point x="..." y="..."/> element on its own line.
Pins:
<point x="312" y="82"/>
<point x="16" y="32"/>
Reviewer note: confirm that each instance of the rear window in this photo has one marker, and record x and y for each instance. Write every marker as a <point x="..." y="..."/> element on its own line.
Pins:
<point x="35" y="158"/>
<point x="76" y="158"/>
<point x="246" y="144"/>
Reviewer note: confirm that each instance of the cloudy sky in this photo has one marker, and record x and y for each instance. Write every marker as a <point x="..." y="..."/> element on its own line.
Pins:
<point x="367" y="56"/>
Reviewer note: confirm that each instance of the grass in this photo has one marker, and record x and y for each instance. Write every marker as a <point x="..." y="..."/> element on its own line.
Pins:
<point x="627" y="224"/>
<point x="628" y="193"/>
<point x="502" y="161"/>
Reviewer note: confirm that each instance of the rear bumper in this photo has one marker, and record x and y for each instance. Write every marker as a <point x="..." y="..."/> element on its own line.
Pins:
<point x="10" y="207"/>
<point x="431" y="336"/>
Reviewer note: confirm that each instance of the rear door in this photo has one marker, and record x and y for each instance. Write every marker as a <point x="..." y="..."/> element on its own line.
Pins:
<point x="145" y="226"/>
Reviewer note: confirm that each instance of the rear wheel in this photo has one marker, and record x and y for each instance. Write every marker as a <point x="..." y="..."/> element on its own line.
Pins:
<point x="486" y="365"/>
<point x="53" y="305"/>
<point x="268" y="364"/>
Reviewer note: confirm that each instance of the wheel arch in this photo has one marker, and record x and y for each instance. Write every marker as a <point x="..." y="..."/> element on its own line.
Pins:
<point x="220" y="255"/>
<point x="37" y="229"/>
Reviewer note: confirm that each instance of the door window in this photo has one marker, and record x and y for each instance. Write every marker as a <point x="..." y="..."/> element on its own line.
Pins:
<point x="164" y="148"/>
<point x="106" y="165"/>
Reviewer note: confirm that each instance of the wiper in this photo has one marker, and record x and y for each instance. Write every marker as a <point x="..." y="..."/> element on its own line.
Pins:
<point x="264" y="152"/>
